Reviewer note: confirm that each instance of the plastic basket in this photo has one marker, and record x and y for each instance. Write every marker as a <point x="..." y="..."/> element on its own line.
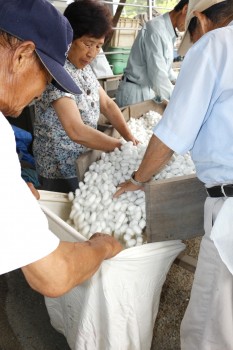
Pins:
<point x="118" y="59"/>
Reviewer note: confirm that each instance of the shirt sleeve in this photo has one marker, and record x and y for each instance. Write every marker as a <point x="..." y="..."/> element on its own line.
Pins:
<point x="52" y="94"/>
<point x="25" y="236"/>
<point x="172" y="75"/>
<point x="157" y="70"/>
<point x="191" y="101"/>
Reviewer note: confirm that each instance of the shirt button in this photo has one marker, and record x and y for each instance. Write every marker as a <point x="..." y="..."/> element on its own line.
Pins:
<point x="92" y="104"/>
<point x="88" y="92"/>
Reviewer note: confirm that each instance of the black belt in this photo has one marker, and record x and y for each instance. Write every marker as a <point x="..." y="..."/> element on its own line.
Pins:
<point x="220" y="191"/>
<point x="127" y="80"/>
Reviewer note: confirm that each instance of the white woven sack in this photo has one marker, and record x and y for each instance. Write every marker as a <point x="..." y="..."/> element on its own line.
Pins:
<point x="116" y="309"/>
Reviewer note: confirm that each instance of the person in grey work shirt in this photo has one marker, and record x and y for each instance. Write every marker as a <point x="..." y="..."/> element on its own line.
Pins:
<point x="149" y="72"/>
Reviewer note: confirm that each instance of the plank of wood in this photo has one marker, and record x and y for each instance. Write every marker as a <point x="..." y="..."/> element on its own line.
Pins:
<point x="138" y="109"/>
<point x="84" y="161"/>
<point x="187" y="262"/>
<point x="175" y="208"/>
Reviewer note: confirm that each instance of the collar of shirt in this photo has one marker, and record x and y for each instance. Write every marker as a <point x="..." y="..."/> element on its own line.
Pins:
<point x="169" y="25"/>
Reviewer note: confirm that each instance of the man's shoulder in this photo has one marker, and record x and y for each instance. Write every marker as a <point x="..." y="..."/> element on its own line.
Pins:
<point x="156" y="25"/>
<point x="216" y="38"/>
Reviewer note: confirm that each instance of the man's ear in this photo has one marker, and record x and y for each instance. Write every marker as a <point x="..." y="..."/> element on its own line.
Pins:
<point x="185" y="9"/>
<point x="23" y="54"/>
<point x="204" y="22"/>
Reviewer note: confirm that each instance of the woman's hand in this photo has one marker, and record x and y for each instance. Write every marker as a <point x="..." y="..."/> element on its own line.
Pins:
<point x="133" y="139"/>
<point x="113" y="113"/>
<point x="33" y="190"/>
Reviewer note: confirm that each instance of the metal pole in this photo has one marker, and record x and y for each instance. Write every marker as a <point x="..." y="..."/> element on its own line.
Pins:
<point x="150" y="5"/>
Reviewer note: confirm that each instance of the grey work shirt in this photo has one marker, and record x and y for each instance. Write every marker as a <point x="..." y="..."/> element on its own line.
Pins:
<point x="150" y="62"/>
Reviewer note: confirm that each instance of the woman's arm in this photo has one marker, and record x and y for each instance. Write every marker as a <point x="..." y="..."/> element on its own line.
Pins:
<point x="113" y="113"/>
<point x="69" y="116"/>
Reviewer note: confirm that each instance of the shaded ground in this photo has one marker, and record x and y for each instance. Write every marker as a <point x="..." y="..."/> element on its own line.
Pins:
<point x="24" y="322"/>
<point x="174" y="300"/>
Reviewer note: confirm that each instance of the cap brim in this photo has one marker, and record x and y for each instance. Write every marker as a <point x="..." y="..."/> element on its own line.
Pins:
<point x="185" y="43"/>
<point x="61" y="79"/>
<point x="199" y="6"/>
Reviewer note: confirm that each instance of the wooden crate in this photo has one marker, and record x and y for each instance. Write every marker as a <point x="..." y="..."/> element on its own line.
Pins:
<point x="125" y="32"/>
<point x="138" y="109"/>
<point x="135" y="111"/>
<point x="175" y="206"/>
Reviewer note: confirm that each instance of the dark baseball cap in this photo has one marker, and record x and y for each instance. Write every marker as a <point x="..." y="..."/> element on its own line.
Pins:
<point x="40" y="22"/>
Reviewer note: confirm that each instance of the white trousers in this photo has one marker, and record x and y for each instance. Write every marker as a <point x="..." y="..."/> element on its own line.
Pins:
<point x="208" y="320"/>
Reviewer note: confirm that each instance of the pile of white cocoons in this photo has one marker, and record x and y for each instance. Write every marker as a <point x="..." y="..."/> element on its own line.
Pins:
<point x="95" y="210"/>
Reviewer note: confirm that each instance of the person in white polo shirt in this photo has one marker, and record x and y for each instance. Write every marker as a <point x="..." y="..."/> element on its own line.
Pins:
<point x="199" y="119"/>
<point x="32" y="57"/>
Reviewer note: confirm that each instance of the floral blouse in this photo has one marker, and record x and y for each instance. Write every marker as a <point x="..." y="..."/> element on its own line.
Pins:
<point x="55" y="153"/>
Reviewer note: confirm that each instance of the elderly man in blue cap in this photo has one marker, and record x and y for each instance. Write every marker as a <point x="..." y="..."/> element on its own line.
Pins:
<point x="34" y="41"/>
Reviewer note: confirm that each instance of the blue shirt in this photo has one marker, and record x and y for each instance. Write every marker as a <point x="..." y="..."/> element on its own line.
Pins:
<point x="199" y="116"/>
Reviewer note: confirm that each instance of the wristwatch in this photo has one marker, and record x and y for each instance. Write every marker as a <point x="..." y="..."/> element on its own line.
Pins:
<point x="135" y="182"/>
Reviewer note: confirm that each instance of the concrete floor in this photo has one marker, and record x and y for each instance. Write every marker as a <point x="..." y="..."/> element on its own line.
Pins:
<point x="24" y="321"/>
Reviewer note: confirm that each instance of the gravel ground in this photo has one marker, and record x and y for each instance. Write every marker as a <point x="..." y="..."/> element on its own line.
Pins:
<point x="174" y="300"/>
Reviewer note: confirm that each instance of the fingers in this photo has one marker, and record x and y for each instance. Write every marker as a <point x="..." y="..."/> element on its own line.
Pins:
<point x="135" y="142"/>
<point x="112" y="246"/>
<point x="119" y="192"/>
<point x="117" y="248"/>
<point x="125" y="187"/>
<point x="33" y="190"/>
<point x="165" y="102"/>
<point x="98" y="234"/>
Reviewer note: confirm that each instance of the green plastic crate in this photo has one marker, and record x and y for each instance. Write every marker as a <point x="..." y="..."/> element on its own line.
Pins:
<point x="118" y="60"/>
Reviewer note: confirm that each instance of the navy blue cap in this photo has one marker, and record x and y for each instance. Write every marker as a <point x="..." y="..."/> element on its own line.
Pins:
<point x="39" y="21"/>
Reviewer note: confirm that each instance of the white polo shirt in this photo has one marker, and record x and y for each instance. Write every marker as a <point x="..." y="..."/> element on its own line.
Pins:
<point x="24" y="233"/>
